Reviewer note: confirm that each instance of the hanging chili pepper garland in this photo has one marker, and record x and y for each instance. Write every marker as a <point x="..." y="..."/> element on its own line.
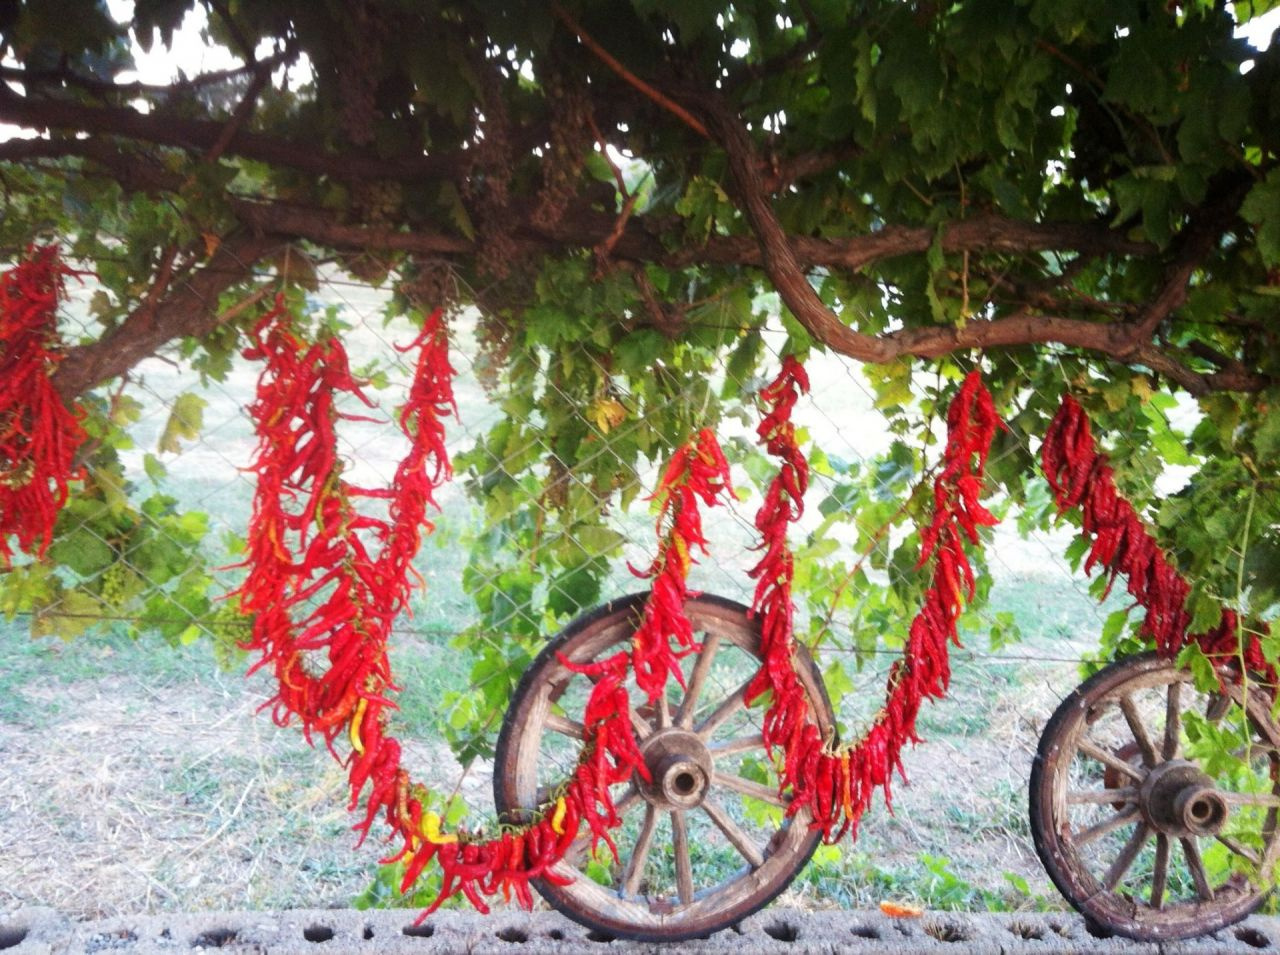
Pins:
<point x="323" y="605"/>
<point x="1080" y="476"/>
<point x="837" y="784"/>
<point x="39" y="434"/>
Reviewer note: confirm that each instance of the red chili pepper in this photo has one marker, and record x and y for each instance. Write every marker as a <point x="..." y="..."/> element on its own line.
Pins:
<point x="39" y="434"/>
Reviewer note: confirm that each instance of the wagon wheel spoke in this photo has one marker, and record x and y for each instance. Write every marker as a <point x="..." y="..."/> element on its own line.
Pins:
<point x="1240" y="849"/>
<point x="1108" y="759"/>
<point x="1139" y="731"/>
<point x="1269" y="800"/>
<point x="640" y="725"/>
<point x="1191" y="849"/>
<point x="741" y="744"/>
<point x="1102" y="797"/>
<point x="629" y="799"/>
<point x="1110" y="824"/>
<point x="1124" y="861"/>
<point x="737" y="700"/>
<point x="733" y="832"/>
<point x="710" y="644"/>
<point x="1172" y="721"/>
<point x="662" y="710"/>
<point x="1160" y="871"/>
<point x="749" y="787"/>
<point x="1217" y="707"/>
<point x="684" y="868"/>
<point x="565" y="726"/>
<point x="640" y="854"/>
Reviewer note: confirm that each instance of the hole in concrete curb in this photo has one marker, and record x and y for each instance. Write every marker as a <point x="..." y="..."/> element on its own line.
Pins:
<point x="368" y="932"/>
<point x="1060" y="928"/>
<point x="12" y="937"/>
<point x="512" y="934"/>
<point x="782" y="931"/>
<point x="317" y="933"/>
<point x="1026" y="930"/>
<point x="597" y="936"/>
<point x="214" y="938"/>
<point x="419" y="931"/>
<point x="1250" y="936"/>
<point x="556" y="935"/>
<point x="949" y="931"/>
<point x="865" y="931"/>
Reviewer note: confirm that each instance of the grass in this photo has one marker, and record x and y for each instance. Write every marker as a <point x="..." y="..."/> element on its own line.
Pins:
<point x="179" y="760"/>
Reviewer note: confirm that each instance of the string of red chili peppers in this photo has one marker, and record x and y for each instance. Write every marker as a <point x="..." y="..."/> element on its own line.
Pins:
<point x="322" y="607"/>
<point x="1081" y="476"/>
<point x="39" y="434"/>
<point x="837" y="784"/>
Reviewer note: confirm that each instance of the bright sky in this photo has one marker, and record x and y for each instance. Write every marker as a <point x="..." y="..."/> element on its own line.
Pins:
<point x="190" y="54"/>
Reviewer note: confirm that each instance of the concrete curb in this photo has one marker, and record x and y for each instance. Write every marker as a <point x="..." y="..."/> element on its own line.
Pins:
<point x="38" y="931"/>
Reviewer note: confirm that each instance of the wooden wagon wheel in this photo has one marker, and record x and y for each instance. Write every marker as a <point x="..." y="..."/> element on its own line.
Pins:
<point x="706" y="842"/>
<point x="1141" y="821"/>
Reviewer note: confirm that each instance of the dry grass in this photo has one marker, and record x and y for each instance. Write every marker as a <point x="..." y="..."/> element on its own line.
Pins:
<point x="144" y="782"/>
<point x="164" y="792"/>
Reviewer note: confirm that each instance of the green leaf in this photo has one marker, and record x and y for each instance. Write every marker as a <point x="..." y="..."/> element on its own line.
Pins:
<point x="67" y="617"/>
<point x="1262" y="208"/>
<point x="185" y="421"/>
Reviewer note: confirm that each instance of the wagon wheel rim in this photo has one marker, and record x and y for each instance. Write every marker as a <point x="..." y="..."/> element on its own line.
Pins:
<point x="672" y="880"/>
<point x="1140" y="826"/>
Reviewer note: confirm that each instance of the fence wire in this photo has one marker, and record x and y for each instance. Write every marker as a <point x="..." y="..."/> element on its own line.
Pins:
<point x="1001" y="695"/>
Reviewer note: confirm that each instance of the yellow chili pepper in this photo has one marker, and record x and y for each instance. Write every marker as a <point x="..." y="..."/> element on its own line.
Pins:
<point x="431" y="830"/>
<point x="557" y="818"/>
<point x="356" y="742"/>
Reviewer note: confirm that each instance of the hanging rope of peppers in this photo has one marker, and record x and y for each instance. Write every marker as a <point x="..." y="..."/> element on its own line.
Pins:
<point x="837" y="783"/>
<point x="39" y="434"/>
<point x="1080" y="476"/>
<point x="323" y="605"/>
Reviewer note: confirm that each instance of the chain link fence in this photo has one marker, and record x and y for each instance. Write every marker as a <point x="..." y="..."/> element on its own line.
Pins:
<point x="527" y="537"/>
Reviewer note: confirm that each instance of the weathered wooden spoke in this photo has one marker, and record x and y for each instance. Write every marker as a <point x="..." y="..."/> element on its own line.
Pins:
<point x="1270" y="800"/>
<point x="684" y="867"/>
<point x="1102" y="797"/>
<point x="730" y="705"/>
<point x="1124" y="861"/>
<point x="1191" y="851"/>
<point x="1108" y="759"/>
<point x="1172" y="720"/>
<point x="749" y="787"/>
<point x="1160" y="871"/>
<point x="1110" y="824"/>
<point x="632" y="874"/>
<point x="1240" y="849"/>
<point x="710" y="644"/>
<point x="740" y="744"/>
<point x="1139" y="731"/>
<point x="565" y="726"/>
<point x="733" y="832"/>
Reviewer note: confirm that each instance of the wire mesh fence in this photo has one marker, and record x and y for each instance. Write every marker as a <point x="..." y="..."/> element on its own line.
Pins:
<point x="502" y="575"/>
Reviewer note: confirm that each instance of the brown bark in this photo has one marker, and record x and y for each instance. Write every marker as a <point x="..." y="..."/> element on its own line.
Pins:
<point x="189" y="309"/>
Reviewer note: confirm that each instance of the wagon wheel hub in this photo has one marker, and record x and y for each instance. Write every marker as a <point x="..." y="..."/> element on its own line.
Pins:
<point x="1177" y="798"/>
<point x="679" y="767"/>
